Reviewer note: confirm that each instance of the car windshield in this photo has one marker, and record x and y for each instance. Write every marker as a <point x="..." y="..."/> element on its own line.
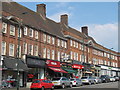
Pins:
<point x="84" y="78"/>
<point x="72" y="79"/>
<point x="36" y="81"/>
<point x="55" y="79"/>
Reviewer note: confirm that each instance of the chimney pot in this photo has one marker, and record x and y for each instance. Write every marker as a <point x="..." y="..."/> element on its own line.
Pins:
<point x="64" y="19"/>
<point x="41" y="9"/>
<point x="85" y="30"/>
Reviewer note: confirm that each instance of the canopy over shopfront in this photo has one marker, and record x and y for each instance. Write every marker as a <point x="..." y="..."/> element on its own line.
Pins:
<point x="57" y="70"/>
<point x="12" y="64"/>
<point x="77" y="66"/>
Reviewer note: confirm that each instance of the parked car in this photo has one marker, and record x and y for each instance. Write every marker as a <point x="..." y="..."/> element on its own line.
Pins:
<point x="88" y="80"/>
<point x="97" y="80"/>
<point x="42" y="84"/>
<point x="116" y="78"/>
<point x="76" y="82"/>
<point x="112" y="79"/>
<point x="105" y="78"/>
<point x="62" y="82"/>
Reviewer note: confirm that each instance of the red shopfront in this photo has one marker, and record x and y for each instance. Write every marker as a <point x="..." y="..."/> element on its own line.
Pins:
<point x="53" y="69"/>
<point x="79" y="68"/>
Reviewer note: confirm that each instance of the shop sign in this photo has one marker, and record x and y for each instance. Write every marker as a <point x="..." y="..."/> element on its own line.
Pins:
<point x="77" y="66"/>
<point x="53" y="63"/>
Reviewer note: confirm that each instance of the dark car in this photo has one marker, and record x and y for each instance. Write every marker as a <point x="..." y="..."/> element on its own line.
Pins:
<point x="116" y="78"/>
<point x="41" y="84"/>
<point x="105" y="78"/>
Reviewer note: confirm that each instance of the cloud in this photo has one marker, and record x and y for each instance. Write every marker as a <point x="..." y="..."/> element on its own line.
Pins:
<point x="105" y="34"/>
<point x="56" y="16"/>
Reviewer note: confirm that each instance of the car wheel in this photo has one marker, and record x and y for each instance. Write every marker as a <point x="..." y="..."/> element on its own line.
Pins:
<point x="42" y="88"/>
<point x="90" y="83"/>
<point x="52" y="88"/>
<point x="63" y="86"/>
<point x="70" y="85"/>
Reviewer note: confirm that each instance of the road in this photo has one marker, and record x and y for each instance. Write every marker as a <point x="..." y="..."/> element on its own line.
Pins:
<point x="108" y="86"/>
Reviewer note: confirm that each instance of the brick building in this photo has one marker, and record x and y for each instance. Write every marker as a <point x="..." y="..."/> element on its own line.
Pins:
<point x="42" y="39"/>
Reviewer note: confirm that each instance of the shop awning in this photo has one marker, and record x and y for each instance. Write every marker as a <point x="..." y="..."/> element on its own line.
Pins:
<point x="70" y="70"/>
<point x="12" y="64"/>
<point x="57" y="69"/>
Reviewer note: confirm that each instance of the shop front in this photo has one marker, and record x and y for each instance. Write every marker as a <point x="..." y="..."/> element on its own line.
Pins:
<point x="87" y="71"/>
<point x="78" y="68"/>
<point x="36" y="67"/>
<point x="53" y="69"/>
<point x="68" y="68"/>
<point x="13" y="68"/>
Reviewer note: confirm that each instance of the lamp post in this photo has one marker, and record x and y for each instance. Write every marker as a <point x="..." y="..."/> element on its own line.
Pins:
<point x="19" y="22"/>
<point x="110" y="61"/>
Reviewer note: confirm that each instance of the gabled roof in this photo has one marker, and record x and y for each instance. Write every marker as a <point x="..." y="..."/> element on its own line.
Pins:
<point x="32" y="18"/>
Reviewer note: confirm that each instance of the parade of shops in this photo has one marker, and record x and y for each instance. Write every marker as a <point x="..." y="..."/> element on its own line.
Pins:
<point x="48" y="49"/>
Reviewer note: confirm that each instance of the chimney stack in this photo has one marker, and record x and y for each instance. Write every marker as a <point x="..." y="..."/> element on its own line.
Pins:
<point x="64" y="19"/>
<point x="41" y="9"/>
<point x="85" y="30"/>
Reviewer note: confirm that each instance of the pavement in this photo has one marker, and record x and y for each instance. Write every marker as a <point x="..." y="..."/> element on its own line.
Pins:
<point x="102" y="86"/>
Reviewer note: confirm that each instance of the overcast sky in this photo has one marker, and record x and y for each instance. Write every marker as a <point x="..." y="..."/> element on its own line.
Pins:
<point x="100" y="17"/>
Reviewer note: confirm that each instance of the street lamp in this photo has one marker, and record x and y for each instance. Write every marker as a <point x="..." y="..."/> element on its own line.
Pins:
<point x="110" y="61"/>
<point x="19" y="22"/>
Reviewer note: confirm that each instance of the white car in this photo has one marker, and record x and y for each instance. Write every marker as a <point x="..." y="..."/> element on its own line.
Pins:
<point x="61" y="81"/>
<point x="88" y="80"/>
<point x="76" y="82"/>
<point x="112" y="79"/>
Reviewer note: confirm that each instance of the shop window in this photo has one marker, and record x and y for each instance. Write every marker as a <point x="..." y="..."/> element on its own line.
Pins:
<point x="11" y="49"/>
<point x="12" y="30"/>
<point x="3" y="48"/>
<point x="4" y="27"/>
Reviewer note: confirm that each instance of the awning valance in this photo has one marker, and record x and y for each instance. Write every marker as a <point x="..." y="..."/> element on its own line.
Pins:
<point x="12" y="64"/>
<point x="70" y="70"/>
<point x="57" y="69"/>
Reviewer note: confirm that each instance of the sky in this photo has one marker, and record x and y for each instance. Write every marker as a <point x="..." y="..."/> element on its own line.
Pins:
<point x="100" y="17"/>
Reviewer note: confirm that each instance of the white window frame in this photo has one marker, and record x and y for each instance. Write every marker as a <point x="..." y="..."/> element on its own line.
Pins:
<point x="48" y="39"/>
<point x="19" y="51"/>
<point x="71" y="43"/>
<point x="48" y="53"/>
<point x="58" y="42"/>
<point x="11" y="48"/>
<point x="58" y="56"/>
<point x="53" y="54"/>
<point x="3" y="48"/>
<point x="71" y="55"/>
<point x="53" y="40"/>
<point x="4" y="27"/>
<point x="36" y="34"/>
<point x="12" y="30"/>
<point x="30" y="49"/>
<point x="25" y="48"/>
<point x="65" y="44"/>
<point x="25" y="31"/>
<point x="44" y="37"/>
<point x="36" y="50"/>
<point x="20" y="32"/>
<point x="30" y="32"/>
<point x="44" y="53"/>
